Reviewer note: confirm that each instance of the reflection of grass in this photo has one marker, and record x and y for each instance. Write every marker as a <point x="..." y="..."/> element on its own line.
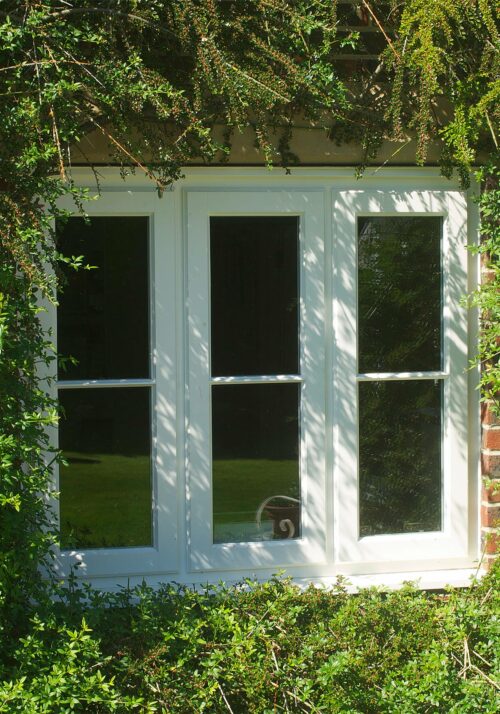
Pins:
<point x="240" y="486"/>
<point x="105" y="500"/>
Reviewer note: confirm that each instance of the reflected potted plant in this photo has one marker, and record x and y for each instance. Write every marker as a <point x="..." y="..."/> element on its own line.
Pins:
<point x="284" y="512"/>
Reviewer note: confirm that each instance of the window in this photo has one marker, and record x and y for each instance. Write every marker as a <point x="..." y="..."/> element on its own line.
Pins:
<point x="400" y="371"/>
<point x="399" y="333"/>
<point x="117" y="505"/>
<point x="105" y="394"/>
<point x="268" y="376"/>
<point x="254" y="301"/>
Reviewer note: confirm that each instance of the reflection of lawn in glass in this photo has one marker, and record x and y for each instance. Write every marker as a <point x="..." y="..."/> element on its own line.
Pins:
<point x="240" y="486"/>
<point x="105" y="500"/>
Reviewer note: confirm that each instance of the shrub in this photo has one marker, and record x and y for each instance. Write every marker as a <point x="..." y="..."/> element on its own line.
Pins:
<point x="260" y="648"/>
<point x="58" y="670"/>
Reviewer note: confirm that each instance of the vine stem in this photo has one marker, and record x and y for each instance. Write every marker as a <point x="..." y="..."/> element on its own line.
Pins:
<point x="224" y="698"/>
<point x="379" y="25"/>
<point x="136" y="161"/>
<point x="55" y="134"/>
<point x="494" y="136"/>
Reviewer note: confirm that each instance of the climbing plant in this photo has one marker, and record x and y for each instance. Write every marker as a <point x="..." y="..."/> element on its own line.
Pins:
<point x="166" y="82"/>
<point x="446" y="67"/>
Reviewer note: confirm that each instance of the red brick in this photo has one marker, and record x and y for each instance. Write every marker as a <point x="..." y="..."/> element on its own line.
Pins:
<point x="488" y="560"/>
<point x="487" y="416"/>
<point x="490" y="516"/>
<point x="491" y="493"/>
<point x="487" y="275"/>
<point x="490" y="464"/>
<point x="491" y="439"/>
<point x="491" y="542"/>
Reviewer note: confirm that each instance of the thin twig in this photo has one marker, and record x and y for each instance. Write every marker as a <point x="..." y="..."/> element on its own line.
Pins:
<point x="482" y="658"/>
<point x="491" y="129"/>
<point x="467" y="662"/>
<point x="486" y="597"/>
<point x="485" y="676"/>
<point x="379" y="24"/>
<point x="55" y="131"/>
<point x="309" y="706"/>
<point x="400" y="148"/>
<point x="55" y="134"/>
<point x="224" y="698"/>
<point x="276" y="666"/>
<point x="256" y="81"/>
<point x="136" y="161"/>
<point x="114" y="13"/>
<point x="37" y="75"/>
<point x="82" y="64"/>
<point x="37" y="62"/>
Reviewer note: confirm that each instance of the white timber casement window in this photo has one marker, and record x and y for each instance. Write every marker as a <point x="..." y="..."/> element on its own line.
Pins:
<point x="270" y="372"/>
<point x="400" y="381"/>
<point x="256" y="440"/>
<point x="115" y="338"/>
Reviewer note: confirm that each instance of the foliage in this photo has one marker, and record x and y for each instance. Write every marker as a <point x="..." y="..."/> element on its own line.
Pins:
<point x="446" y="62"/>
<point x="59" y="669"/>
<point x="486" y="297"/>
<point x="262" y="648"/>
<point x="25" y="453"/>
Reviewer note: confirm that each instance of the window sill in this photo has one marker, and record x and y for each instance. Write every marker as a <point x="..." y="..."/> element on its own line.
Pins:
<point x="423" y="579"/>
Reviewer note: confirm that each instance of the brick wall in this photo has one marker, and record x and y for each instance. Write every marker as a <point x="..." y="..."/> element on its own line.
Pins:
<point x="490" y="499"/>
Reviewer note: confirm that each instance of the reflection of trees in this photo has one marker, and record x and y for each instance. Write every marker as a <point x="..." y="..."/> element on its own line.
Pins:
<point x="399" y="302"/>
<point x="400" y="457"/>
<point x="399" y="294"/>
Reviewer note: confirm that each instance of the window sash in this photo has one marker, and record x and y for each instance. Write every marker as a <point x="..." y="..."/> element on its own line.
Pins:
<point x="311" y="546"/>
<point x="452" y="540"/>
<point x="162" y="556"/>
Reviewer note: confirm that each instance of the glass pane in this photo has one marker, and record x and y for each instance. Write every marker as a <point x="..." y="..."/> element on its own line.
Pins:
<point x="399" y="457"/>
<point x="254" y="295"/>
<point x="103" y="314"/>
<point x="105" y="500"/>
<point x="255" y="462"/>
<point x="399" y="294"/>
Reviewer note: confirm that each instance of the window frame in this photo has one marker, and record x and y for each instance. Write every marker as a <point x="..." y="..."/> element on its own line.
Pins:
<point x="160" y="557"/>
<point x="310" y="547"/>
<point x="452" y="540"/>
<point x="436" y="562"/>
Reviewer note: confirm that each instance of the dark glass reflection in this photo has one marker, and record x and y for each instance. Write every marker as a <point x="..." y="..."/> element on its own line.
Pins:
<point x="399" y="457"/>
<point x="103" y="314"/>
<point x="254" y="295"/>
<point x="105" y="496"/>
<point x="399" y="294"/>
<point x="255" y="456"/>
